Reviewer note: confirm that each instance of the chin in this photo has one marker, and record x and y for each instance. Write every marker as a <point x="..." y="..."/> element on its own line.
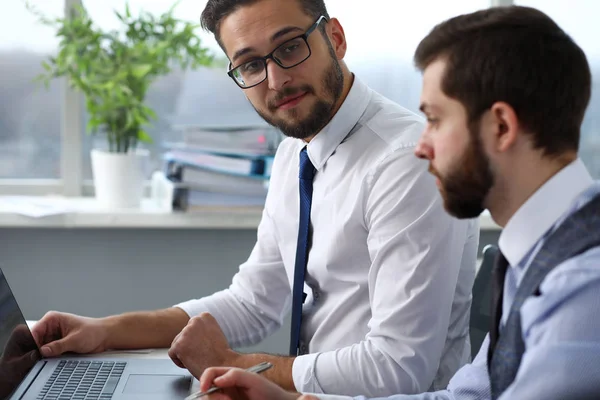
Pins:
<point x="293" y="116"/>
<point x="463" y="211"/>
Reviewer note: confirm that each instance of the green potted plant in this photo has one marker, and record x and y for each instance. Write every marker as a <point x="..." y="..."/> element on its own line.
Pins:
<point x="114" y="71"/>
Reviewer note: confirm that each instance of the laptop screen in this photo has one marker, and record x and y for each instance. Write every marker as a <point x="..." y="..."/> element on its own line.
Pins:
<point x="18" y="351"/>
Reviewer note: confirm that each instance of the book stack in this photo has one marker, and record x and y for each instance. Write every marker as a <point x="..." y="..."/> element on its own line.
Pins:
<point x="232" y="164"/>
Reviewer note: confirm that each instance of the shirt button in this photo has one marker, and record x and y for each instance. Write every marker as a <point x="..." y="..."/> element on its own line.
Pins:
<point x="316" y="295"/>
<point x="303" y="348"/>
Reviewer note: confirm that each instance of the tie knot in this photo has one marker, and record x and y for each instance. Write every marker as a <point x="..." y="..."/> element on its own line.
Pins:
<point x="306" y="170"/>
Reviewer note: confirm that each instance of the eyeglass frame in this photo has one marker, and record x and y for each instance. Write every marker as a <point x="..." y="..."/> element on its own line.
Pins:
<point x="264" y="59"/>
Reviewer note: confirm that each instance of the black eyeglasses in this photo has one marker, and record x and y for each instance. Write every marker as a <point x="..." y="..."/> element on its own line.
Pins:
<point x="287" y="55"/>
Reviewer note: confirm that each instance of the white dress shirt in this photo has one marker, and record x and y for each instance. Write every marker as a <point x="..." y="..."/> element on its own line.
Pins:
<point x="560" y="327"/>
<point x="389" y="273"/>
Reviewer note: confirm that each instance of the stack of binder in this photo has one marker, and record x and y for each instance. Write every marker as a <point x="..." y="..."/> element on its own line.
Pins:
<point x="231" y="166"/>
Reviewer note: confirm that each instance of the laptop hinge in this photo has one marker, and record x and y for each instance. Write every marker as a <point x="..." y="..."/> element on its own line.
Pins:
<point x="22" y="389"/>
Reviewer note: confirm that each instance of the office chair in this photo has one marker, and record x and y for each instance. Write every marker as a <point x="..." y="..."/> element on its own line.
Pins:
<point x="480" y="321"/>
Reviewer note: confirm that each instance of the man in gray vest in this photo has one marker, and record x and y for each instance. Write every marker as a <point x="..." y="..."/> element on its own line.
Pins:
<point x="505" y="91"/>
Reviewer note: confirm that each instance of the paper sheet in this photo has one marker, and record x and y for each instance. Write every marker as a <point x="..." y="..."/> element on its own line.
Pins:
<point x="33" y="206"/>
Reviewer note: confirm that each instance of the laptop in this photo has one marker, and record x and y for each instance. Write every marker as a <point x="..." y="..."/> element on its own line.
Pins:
<point x="24" y="374"/>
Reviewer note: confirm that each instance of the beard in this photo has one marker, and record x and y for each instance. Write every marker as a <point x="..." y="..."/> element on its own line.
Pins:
<point x="465" y="188"/>
<point x="321" y="112"/>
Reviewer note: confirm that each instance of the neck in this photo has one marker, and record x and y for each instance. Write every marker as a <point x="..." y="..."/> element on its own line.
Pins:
<point x="512" y="189"/>
<point x="348" y="81"/>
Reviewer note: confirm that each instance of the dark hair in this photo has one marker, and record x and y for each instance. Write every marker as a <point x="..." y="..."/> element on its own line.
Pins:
<point x="520" y="56"/>
<point x="216" y="10"/>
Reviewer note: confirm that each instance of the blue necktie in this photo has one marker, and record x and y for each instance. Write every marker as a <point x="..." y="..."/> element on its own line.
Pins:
<point x="307" y="172"/>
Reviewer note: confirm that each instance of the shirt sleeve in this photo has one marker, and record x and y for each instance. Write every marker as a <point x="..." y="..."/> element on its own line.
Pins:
<point x="255" y="304"/>
<point x="471" y="382"/>
<point x="416" y="250"/>
<point x="560" y="330"/>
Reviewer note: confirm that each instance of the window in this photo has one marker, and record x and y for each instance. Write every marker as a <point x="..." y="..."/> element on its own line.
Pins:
<point x="579" y="19"/>
<point x="378" y="54"/>
<point x="205" y="97"/>
<point x="383" y="36"/>
<point x="30" y="114"/>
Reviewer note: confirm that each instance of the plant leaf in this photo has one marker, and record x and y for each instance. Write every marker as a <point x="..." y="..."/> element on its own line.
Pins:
<point x="140" y="71"/>
<point x="115" y="69"/>
<point x="144" y="137"/>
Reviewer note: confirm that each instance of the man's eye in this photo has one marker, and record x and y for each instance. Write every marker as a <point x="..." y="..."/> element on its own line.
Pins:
<point x="291" y="48"/>
<point x="251" y="66"/>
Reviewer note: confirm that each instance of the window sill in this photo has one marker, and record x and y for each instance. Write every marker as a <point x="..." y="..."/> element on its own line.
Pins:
<point x="85" y="213"/>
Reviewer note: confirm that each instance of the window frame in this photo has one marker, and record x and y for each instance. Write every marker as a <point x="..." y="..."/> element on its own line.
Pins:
<point x="71" y="182"/>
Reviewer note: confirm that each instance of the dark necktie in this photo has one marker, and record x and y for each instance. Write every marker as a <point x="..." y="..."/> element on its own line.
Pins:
<point x="498" y="275"/>
<point x="307" y="172"/>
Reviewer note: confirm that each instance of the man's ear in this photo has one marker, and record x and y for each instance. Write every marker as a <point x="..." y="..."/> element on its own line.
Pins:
<point x="505" y="125"/>
<point x="337" y="37"/>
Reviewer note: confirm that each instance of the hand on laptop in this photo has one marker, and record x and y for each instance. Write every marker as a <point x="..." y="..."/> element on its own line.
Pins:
<point x="16" y="359"/>
<point x="58" y="333"/>
<point x="201" y="344"/>
<point x="241" y="385"/>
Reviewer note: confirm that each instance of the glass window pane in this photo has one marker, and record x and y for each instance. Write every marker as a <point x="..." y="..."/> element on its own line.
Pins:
<point x="381" y="46"/>
<point x="579" y="19"/>
<point x="30" y="114"/>
<point x="206" y="96"/>
<point x="382" y="39"/>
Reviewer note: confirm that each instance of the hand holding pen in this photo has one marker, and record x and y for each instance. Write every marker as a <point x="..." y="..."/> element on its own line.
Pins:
<point x="257" y="369"/>
<point x="237" y="384"/>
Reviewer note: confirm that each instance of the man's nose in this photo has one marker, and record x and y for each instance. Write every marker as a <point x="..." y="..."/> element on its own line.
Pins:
<point x="277" y="76"/>
<point x="424" y="149"/>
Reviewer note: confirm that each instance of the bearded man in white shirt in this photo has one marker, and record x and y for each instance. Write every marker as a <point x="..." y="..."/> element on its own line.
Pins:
<point x="353" y="236"/>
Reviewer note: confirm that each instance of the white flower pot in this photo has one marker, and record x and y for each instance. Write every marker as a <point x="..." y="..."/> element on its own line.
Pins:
<point x="119" y="178"/>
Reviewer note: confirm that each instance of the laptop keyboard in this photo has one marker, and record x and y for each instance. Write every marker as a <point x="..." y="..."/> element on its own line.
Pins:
<point x="83" y="380"/>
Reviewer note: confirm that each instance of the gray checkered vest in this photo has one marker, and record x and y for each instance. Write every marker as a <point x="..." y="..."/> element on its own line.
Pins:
<point x="578" y="233"/>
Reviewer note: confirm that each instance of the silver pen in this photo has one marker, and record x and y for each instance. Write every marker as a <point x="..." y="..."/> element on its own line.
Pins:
<point x="257" y="369"/>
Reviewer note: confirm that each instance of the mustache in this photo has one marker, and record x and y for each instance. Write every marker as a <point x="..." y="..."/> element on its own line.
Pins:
<point x="286" y="92"/>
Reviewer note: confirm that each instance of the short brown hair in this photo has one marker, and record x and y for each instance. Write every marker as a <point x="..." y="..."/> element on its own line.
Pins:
<point x="520" y="56"/>
<point x="216" y="10"/>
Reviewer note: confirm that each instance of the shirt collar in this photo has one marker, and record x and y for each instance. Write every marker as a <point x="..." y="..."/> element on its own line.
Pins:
<point x="322" y="146"/>
<point x="542" y="210"/>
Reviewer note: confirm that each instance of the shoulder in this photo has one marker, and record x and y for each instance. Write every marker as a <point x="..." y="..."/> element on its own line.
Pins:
<point x="575" y="272"/>
<point x="568" y="301"/>
<point x="395" y="126"/>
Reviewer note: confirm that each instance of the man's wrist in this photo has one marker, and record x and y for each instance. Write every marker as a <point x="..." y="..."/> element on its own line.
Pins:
<point x="107" y="328"/>
<point x="234" y="359"/>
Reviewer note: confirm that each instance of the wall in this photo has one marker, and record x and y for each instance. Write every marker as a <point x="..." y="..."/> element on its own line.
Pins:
<point x="99" y="272"/>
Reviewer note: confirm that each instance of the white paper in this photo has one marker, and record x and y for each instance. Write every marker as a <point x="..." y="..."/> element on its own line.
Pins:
<point x="33" y="206"/>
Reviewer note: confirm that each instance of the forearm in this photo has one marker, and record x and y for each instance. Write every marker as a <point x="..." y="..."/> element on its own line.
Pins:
<point x="140" y="330"/>
<point x="243" y="323"/>
<point x="281" y="373"/>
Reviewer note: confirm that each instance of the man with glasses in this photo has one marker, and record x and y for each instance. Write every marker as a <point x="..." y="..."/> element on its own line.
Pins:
<point x="354" y="237"/>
